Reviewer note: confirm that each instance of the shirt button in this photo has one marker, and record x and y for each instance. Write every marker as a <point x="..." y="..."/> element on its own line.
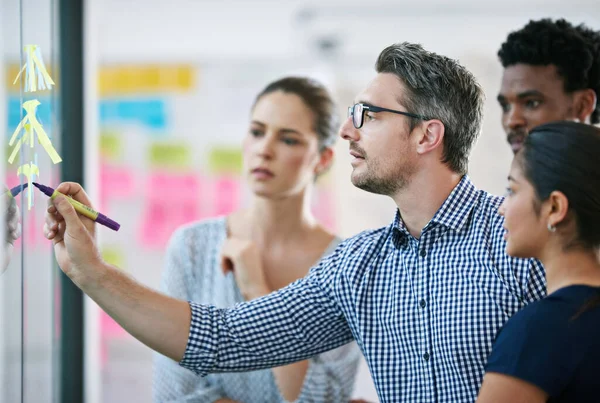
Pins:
<point x="426" y="356"/>
<point x="423" y="303"/>
<point x="423" y="252"/>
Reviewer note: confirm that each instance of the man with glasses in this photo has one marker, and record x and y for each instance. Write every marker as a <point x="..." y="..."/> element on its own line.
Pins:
<point x="551" y="72"/>
<point x="423" y="297"/>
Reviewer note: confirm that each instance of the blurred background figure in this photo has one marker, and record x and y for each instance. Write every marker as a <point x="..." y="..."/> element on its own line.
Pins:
<point x="293" y="127"/>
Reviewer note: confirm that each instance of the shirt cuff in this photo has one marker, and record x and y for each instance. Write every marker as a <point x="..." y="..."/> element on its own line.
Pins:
<point x="202" y="345"/>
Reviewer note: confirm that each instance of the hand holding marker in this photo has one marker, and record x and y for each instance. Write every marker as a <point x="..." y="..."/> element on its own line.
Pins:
<point x="80" y="208"/>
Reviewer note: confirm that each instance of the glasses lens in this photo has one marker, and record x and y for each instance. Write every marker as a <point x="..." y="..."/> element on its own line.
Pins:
<point x="357" y="115"/>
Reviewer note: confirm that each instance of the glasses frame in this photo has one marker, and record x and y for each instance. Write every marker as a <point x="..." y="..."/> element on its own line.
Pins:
<point x="373" y="108"/>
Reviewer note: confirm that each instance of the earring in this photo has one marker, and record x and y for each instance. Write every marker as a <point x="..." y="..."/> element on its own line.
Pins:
<point x="551" y="228"/>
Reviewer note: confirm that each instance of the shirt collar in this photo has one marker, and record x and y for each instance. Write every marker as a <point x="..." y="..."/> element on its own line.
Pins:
<point x="453" y="213"/>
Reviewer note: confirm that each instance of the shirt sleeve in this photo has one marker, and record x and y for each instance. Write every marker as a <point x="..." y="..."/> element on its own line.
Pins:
<point x="536" y="281"/>
<point x="533" y="346"/>
<point x="171" y="382"/>
<point x="289" y="325"/>
<point x="331" y="375"/>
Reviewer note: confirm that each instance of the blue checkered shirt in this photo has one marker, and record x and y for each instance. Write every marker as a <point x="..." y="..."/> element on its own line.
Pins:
<point x="423" y="311"/>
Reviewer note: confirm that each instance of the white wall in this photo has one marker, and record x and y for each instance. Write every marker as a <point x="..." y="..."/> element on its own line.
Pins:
<point x="184" y="29"/>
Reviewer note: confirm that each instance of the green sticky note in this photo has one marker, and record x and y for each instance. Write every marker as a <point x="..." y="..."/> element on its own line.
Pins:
<point x="114" y="256"/>
<point x="170" y="155"/>
<point x="110" y="145"/>
<point x="225" y="160"/>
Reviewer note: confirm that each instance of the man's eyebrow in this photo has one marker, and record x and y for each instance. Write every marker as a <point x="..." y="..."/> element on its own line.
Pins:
<point x="521" y="95"/>
<point x="529" y="93"/>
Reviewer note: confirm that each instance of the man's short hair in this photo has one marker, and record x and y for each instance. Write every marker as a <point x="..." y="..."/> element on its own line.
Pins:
<point x="438" y="88"/>
<point x="574" y="50"/>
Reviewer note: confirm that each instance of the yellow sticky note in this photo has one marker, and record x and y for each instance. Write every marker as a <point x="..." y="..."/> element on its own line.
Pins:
<point x="225" y="160"/>
<point x="11" y="72"/>
<point x="121" y="83"/>
<point x="185" y="78"/>
<point x="105" y="79"/>
<point x="152" y="77"/>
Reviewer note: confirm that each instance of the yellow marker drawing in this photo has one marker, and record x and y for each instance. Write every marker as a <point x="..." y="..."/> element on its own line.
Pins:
<point x="36" y="75"/>
<point x="34" y="128"/>
<point x="29" y="171"/>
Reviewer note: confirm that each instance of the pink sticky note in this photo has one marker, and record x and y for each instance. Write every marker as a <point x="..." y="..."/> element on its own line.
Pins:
<point x="167" y="186"/>
<point x="115" y="183"/>
<point x="109" y="329"/>
<point x="173" y="200"/>
<point x="323" y="209"/>
<point x="227" y="195"/>
<point x="31" y="231"/>
<point x="12" y="180"/>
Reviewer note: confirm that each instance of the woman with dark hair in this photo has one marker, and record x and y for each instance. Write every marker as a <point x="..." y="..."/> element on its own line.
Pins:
<point x="291" y="133"/>
<point x="550" y="350"/>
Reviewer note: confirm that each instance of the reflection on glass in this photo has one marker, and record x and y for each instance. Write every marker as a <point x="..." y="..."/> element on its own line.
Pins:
<point x="12" y="221"/>
<point x="11" y="290"/>
<point x="28" y="286"/>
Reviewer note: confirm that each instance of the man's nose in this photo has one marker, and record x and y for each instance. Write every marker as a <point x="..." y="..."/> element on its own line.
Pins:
<point x="514" y="118"/>
<point x="348" y="131"/>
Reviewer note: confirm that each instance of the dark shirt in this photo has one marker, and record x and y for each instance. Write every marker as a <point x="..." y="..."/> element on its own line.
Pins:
<point x="552" y="345"/>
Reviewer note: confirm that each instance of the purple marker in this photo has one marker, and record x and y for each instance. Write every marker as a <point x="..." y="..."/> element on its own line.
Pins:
<point x="80" y="208"/>
<point x="17" y="189"/>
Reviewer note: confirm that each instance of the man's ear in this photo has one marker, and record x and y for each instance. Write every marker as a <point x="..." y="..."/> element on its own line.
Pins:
<point x="585" y="104"/>
<point x="432" y="136"/>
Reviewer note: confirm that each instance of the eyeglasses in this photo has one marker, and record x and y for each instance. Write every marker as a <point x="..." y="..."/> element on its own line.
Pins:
<point x="357" y="113"/>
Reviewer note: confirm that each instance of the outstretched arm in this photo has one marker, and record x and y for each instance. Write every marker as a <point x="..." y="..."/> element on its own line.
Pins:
<point x="290" y="325"/>
<point x="160" y="322"/>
